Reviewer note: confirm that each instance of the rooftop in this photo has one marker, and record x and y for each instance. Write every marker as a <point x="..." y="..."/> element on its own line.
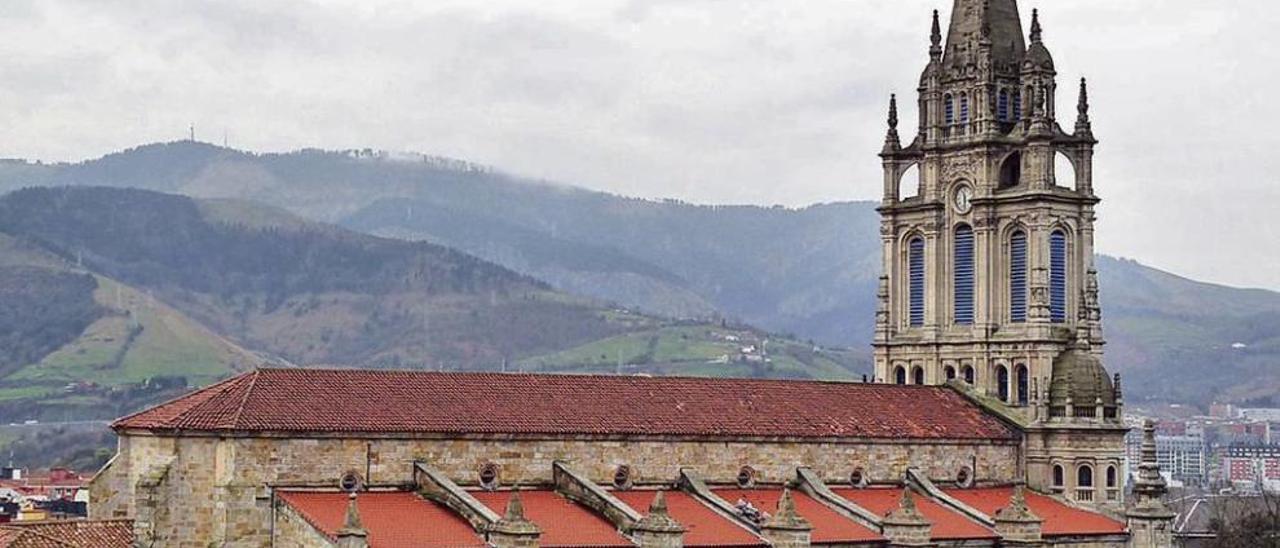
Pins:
<point x="391" y="519"/>
<point x="401" y="402"/>
<point x="948" y="524"/>
<point x="1060" y="519"/>
<point x="563" y="523"/>
<point x="703" y="526"/>
<point x="111" y="533"/>
<point x="829" y="527"/>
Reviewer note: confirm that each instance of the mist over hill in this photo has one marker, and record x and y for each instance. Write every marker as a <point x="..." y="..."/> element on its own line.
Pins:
<point x="810" y="271"/>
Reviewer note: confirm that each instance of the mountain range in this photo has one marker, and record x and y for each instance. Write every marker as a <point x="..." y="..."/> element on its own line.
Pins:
<point x="808" y="272"/>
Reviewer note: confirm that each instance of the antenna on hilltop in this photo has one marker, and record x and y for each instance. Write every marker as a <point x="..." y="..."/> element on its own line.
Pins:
<point x="193" y="132"/>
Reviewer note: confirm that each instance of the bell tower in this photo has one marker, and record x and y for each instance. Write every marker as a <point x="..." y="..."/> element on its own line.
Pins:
<point x="988" y="270"/>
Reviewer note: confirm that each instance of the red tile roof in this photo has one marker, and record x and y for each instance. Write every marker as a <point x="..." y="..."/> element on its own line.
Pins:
<point x="563" y="523"/>
<point x="371" y="401"/>
<point x="79" y="533"/>
<point x="829" y="526"/>
<point x="703" y="526"/>
<point x="1059" y="518"/>
<point x="948" y="524"/>
<point x="391" y="519"/>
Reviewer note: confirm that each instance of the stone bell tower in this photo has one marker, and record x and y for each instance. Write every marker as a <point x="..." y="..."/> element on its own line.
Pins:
<point x="988" y="270"/>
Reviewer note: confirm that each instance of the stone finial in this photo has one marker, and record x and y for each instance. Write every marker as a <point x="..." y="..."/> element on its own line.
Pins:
<point x="352" y="534"/>
<point x="905" y="525"/>
<point x="891" y="141"/>
<point x="1036" y="31"/>
<point x="1150" y="521"/>
<point x="658" y="529"/>
<point x="786" y="527"/>
<point x="1082" y="104"/>
<point x="935" y="37"/>
<point x="513" y="530"/>
<point x="1015" y="522"/>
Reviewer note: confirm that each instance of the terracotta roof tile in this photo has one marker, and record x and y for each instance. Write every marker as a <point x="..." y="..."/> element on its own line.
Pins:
<point x="829" y="526"/>
<point x="371" y="401"/>
<point x="78" y="533"/>
<point x="391" y="519"/>
<point x="1059" y="518"/>
<point x="948" y="524"/>
<point x="703" y="526"/>
<point x="563" y="523"/>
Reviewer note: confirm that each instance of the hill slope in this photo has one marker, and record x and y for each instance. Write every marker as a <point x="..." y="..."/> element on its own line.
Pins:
<point x="122" y="288"/>
<point x="810" y="271"/>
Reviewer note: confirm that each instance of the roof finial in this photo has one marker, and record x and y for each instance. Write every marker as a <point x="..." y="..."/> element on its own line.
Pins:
<point x="893" y="111"/>
<point x="1035" y="25"/>
<point x="515" y="507"/>
<point x="352" y="528"/>
<point x="935" y="38"/>
<point x="1083" y="106"/>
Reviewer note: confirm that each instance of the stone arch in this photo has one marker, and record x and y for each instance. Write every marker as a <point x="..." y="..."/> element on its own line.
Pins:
<point x="1002" y="382"/>
<point x="1022" y="378"/>
<point x="899" y="375"/>
<point x="1010" y="171"/>
<point x="949" y="371"/>
<point x="968" y="374"/>
<point x="1064" y="170"/>
<point x="1084" y="476"/>
<point x="917" y="375"/>
<point x="1059" y="479"/>
<point x="910" y="181"/>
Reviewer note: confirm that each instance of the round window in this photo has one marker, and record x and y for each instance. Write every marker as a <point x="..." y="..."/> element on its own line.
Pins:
<point x="350" y="482"/>
<point x="489" y="476"/>
<point x="858" y="478"/>
<point x="622" y="477"/>
<point x="746" y="477"/>
<point x="964" y="478"/>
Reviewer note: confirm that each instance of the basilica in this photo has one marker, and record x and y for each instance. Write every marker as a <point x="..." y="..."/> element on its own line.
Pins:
<point x="990" y="420"/>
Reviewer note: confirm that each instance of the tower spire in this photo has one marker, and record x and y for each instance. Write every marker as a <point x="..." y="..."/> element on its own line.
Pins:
<point x="935" y="37"/>
<point x="1036" y="31"/>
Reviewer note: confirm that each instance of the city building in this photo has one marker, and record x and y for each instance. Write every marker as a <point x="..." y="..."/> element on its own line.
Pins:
<point x="1253" y="467"/>
<point x="1183" y="459"/>
<point x="992" y="421"/>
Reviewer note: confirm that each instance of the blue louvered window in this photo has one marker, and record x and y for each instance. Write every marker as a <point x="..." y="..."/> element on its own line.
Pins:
<point x="1018" y="277"/>
<point x="964" y="275"/>
<point x="964" y="108"/>
<point x="1017" y="105"/>
<point x="916" y="273"/>
<point x="1002" y="106"/>
<point x="950" y="108"/>
<point x="1058" y="277"/>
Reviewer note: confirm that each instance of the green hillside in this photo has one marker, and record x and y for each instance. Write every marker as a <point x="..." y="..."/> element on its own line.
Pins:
<point x="127" y="296"/>
<point x="808" y="272"/>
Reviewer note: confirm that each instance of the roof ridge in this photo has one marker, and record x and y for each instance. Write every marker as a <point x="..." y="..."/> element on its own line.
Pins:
<point x="182" y="397"/>
<point x="33" y="532"/>
<point x="235" y="421"/>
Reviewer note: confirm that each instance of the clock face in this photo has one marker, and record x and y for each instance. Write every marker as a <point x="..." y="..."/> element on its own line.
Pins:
<point x="962" y="200"/>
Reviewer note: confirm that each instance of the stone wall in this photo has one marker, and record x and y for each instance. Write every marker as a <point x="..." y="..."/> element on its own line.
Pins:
<point x="292" y="531"/>
<point x="223" y="485"/>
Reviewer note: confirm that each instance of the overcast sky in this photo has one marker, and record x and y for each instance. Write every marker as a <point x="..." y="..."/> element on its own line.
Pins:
<point x="711" y="101"/>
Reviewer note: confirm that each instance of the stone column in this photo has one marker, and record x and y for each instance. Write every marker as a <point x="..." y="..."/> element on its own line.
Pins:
<point x="658" y="529"/>
<point x="1015" y="523"/>
<point x="513" y="530"/>
<point x="787" y="528"/>
<point x="1150" y="521"/>
<point x="352" y="533"/>
<point x="906" y="526"/>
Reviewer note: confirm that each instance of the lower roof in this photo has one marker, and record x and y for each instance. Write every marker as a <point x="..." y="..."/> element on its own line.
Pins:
<point x="391" y="519"/>
<point x="829" y="526"/>
<point x="415" y="402"/>
<point x="98" y="533"/>
<point x="563" y="522"/>
<point x="947" y="524"/>
<point x="702" y="525"/>
<point x="1060" y="519"/>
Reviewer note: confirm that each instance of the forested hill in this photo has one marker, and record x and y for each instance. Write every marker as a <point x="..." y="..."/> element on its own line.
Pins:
<point x="809" y="271"/>
<point x="117" y="295"/>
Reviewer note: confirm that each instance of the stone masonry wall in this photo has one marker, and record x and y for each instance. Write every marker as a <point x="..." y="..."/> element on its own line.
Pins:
<point x="292" y="531"/>
<point x="223" y="485"/>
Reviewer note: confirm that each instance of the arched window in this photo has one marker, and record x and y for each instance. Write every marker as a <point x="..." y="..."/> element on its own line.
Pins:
<point x="1024" y="385"/>
<point x="1059" y="477"/>
<point x="1058" y="276"/>
<point x="916" y="273"/>
<point x="900" y="375"/>
<point x="968" y="374"/>
<point x="964" y="108"/>
<point x="950" y="372"/>
<point x="917" y="375"/>
<point x="1018" y="277"/>
<point x="964" y="275"/>
<point x="1112" y="480"/>
<point x="1017" y="105"/>
<point x="1084" y="476"/>
<point x="950" y="108"/>
<point x="1002" y="106"/>
<point x="1002" y="382"/>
